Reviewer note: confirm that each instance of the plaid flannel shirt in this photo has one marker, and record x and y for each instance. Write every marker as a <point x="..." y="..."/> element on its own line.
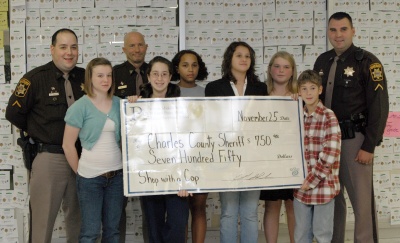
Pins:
<point x="322" y="153"/>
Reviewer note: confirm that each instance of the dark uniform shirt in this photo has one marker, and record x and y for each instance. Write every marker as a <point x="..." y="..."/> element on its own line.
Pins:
<point x="124" y="76"/>
<point x="360" y="87"/>
<point x="38" y="104"/>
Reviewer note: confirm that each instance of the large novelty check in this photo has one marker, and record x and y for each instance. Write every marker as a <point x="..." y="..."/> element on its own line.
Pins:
<point x="211" y="144"/>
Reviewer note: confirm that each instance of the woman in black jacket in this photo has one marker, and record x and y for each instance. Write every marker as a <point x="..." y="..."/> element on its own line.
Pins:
<point x="238" y="79"/>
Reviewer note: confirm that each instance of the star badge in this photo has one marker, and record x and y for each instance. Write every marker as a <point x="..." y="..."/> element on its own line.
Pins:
<point x="377" y="73"/>
<point x="349" y="71"/>
<point x="20" y="90"/>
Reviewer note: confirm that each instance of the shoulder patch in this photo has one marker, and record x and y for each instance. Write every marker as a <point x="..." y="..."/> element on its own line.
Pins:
<point x="22" y="87"/>
<point x="376" y="72"/>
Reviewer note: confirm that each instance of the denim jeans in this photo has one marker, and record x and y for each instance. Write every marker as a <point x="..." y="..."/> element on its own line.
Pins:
<point x="313" y="221"/>
<point x="167" y="217"/>
<point x="101" y="203"/>
<point x="234" y="204"/>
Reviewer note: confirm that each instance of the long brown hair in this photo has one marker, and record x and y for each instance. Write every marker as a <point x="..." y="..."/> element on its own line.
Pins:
<point x="88" y="85"/>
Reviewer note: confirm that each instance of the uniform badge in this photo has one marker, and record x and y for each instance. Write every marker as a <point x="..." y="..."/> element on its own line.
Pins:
<point x="53" y="92"/>
<point x="122" y="86"/>
<point x="349" y="71"/>
<point x="82" y="87"/>
<point x="321" y="73"/>
<point x="22" y="88"/>
<point x="376" y="72"/>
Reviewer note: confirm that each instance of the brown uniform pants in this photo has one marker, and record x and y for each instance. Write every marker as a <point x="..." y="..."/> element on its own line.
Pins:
<point x="53" y="183"/>
<point x="357" y="179"/>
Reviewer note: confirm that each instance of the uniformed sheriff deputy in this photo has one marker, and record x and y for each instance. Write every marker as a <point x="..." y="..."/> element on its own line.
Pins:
<point x="361" y="104"/>
<point x="125" y="74"/>
<point x="126" y="84"/>
<point x="38" y="106"/>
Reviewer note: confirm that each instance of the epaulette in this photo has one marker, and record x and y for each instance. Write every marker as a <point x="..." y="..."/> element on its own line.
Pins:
<point x="38" y="70"/>
<point x="359" y="54"/>
<point x="119" y="66"/>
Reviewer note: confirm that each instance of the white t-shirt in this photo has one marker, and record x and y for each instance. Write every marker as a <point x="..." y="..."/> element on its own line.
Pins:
<point x="105" y="155"/>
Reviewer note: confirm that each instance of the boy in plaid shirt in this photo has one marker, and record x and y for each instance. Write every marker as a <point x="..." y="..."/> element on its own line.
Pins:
<point x="314" y="202"/>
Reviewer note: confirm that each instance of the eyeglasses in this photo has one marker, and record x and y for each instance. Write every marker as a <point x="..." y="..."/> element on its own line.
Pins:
<point x="158" y="75"/>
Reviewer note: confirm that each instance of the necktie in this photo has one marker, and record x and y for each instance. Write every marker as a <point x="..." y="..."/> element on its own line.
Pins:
<point x="68" y="91"/>
<point x="329" y="85"/>
<point x="139" y="80"/>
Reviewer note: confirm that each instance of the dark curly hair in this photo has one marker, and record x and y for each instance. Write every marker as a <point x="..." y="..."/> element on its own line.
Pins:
<point x="226" y="68"/>
<point x="203" y="73"/>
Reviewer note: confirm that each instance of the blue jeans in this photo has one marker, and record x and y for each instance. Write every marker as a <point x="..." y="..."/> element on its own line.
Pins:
<point x="239" y="203"/>
<point x="101" y="202"/>
<point x="167" y="217"/>
<point x="313" y="221"/>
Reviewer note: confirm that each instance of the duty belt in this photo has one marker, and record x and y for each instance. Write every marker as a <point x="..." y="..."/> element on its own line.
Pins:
<point x="50" y="148"/>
